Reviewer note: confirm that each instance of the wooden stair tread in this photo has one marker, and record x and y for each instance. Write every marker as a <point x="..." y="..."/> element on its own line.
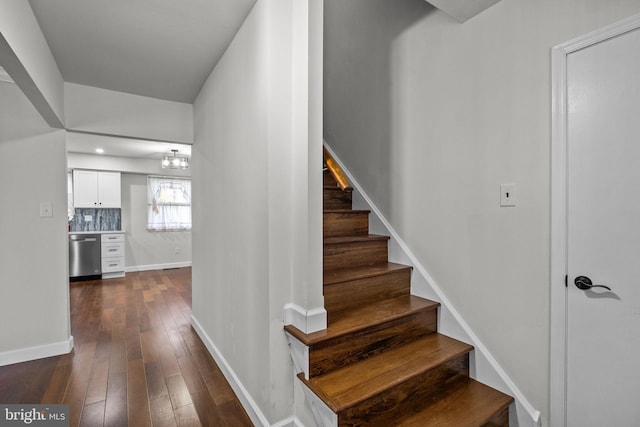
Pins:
<point x="363" y="317"/>
<point x="466" y="403"/>
<point x="347" y="211"/>
<point x="354" y="383"/>
<point x="353" y="239"/>
<point x="332" y="277"/>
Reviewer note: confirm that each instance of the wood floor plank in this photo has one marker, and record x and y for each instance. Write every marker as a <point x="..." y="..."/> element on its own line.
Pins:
<point x="80" y="374"/>
<point x="134" y="348"/>
<point x="193" y="378"/>
<point x="156" y="385"/>
<point x="193" y="342"/>
<point x="231" y="413"/>
<point x="204" y="361"/>
<point x="161" y="412"/>
<point x="97" y="388"/>
<point x="106" y="324"/>
<point x="220" y="390"/>
<point x="206" y="409"/>
<point x="116" y="412"/>
<point x="36" y="381"/>
<point x="118" y="359"/>
<point x="59" y="382"/>
<point x="92" y="415"/>
<point x="179" y="347"/>
<point x="178" y="391"/>
<point x="148" y="347"/>
<point x="168" y="359"/>
<point x="187" y="416"/>
<point x="137" y="396"/>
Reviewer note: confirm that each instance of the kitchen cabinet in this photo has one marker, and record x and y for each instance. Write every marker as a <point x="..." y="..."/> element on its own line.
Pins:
<point x="96" y="189"/>
<point x="112" y="255"/>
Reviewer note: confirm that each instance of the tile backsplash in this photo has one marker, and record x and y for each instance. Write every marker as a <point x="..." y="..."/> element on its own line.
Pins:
<point x="90" y="219"/>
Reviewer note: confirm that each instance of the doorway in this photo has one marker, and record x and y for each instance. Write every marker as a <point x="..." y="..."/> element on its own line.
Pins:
<point x="595" y="237"/>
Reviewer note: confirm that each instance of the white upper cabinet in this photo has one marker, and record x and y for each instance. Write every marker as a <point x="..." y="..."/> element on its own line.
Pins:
<point x="109" y="189"/>
<point x="85" y="189"/>
<point x="96" y="189"/>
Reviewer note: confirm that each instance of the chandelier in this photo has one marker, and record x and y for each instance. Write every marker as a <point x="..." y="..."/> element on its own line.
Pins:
<point x="173" y="161"/>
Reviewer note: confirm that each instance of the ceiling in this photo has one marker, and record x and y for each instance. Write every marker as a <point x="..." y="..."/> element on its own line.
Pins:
<point x="162" y="49"/>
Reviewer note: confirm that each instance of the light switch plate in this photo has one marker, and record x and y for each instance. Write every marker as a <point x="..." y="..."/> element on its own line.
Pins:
<point x="507" y="195"/>
<point x="46" y="209"/>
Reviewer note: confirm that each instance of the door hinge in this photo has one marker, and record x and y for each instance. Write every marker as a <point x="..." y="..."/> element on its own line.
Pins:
<point x="566" y="281"/>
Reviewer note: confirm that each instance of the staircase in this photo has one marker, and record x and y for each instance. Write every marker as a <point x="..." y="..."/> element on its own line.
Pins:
<point x="381" y="360"/>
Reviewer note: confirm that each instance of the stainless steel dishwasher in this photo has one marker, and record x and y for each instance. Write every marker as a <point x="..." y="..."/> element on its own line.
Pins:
<point x="84" y="255"/>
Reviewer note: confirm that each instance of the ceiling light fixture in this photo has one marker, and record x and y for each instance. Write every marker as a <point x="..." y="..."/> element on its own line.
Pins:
<point x="99" y="150"/>
<point x="173" y="161"/>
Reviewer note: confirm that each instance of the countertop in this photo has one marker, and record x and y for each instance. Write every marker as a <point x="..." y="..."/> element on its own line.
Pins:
<point x="97" y="232"/>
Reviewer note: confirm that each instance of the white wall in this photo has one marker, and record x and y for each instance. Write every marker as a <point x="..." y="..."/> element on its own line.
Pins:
<point x="34" y="295"/>
<point x="230" y="234"/>
<point x="252" y="215"/>
<point x="431" y="116"/>
<point x="102" y="111"/>
<point x="148" y="249"/>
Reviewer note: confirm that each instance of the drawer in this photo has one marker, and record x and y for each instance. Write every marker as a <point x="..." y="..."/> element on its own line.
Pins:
<point x="111" y="238"/>
<point x="112" y="249"/>
<point x="112" y="264"/>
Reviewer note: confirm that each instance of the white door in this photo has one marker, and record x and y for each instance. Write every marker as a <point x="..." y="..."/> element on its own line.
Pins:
<point x="603" y="327"/>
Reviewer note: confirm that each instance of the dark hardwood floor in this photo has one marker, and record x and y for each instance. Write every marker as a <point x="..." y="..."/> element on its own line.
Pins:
<point x="136" y="361"/>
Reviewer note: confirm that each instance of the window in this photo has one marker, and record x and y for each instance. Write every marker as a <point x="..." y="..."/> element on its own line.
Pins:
<point x="169" y="203"/>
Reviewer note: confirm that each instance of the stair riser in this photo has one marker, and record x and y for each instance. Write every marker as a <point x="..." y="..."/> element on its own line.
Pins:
<point x="354" y="293"/>
<point x="365" y="343"/>
<point x="354" y="254"/>
<point x="406" y="397"/>
<point x="345" y="224"/>
<point x="500" y="420"/>
<point x="336" y="199"/>
<point x="328" y="179"/>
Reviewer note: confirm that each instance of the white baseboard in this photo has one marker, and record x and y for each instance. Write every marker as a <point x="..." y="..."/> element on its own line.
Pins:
<point x="307" y="321"/>
<point x="157" y="266"/>
<point x="36" y="352"/>
<point x="451" y="321"/>
<point x="113" y="275"/>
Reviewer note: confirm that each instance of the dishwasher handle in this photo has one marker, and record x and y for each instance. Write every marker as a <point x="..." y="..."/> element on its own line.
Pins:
<point x="87" y="239"/>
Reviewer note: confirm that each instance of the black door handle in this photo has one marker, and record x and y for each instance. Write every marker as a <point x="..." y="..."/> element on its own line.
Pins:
<point x="584" y="283"/>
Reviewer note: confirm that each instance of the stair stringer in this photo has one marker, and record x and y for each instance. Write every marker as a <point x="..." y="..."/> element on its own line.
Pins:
<point x="483" y="366"/>
<point x="323" y="415"/>
<point x="299" y="354"/>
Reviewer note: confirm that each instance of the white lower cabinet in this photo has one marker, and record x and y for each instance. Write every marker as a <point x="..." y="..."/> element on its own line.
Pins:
<point x="112" y="255"/>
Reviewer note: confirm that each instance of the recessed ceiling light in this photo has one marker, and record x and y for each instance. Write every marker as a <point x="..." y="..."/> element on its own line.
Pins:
<point x="99" y="150"/>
